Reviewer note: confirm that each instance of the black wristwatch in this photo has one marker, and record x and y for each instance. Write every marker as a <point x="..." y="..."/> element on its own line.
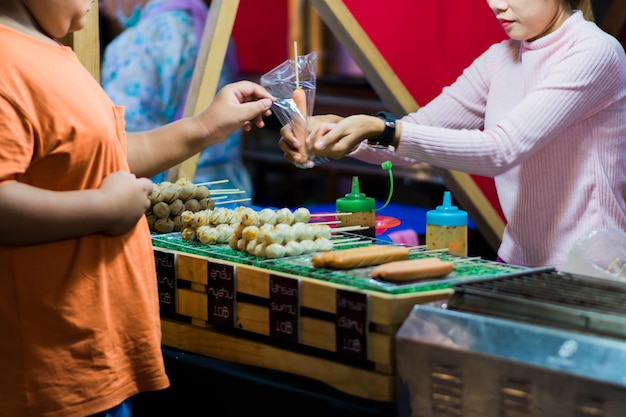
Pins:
<point x="390" y="130"/>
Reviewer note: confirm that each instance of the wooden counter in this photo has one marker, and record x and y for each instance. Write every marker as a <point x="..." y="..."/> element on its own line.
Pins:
<point x="330" y="326"/>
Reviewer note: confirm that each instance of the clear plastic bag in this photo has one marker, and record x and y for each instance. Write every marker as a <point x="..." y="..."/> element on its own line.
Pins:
<point x="601" y="254"/>
<point x="281" y="82"/>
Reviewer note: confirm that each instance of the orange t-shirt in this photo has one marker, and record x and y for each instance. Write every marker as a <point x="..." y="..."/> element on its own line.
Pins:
<point x="79" y="318"/>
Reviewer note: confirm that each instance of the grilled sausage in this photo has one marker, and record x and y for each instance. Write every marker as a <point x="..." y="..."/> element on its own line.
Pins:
<point x="412" y="270"/>
<point x="359" y="257"/>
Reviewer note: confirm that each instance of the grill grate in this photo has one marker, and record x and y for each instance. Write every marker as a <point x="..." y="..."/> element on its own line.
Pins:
<point x="551" y="298"/>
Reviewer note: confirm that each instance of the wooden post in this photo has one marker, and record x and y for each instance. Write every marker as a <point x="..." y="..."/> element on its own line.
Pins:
<point x="395" y="95"/>
<point x="205" y="79"/>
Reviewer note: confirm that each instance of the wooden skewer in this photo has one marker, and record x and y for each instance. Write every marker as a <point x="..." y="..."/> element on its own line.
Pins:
<point x="232" y="201"/>
<point x="348" y="239"/>
<point x="221" y="197"/>
<point x="227" y="191"/>
<point x="613" y="264"/>
<point x="435" y="250"/>
<point x="362" y="242"/>
<point x="419" y="248"/>
<point x="328" y="222"/>
<point x="295" y="59"/>
<point x="349" y="228"/>
<point x="212" y="182"/>
<point x="342" y="213"/>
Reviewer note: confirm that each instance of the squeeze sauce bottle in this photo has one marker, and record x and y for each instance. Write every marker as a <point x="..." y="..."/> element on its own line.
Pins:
<point x="362" y="209"/>
<point x="446" y="227"/>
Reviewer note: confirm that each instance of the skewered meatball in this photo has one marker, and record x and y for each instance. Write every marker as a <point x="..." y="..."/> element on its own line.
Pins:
<point x="293" y="248"/>
<point x="302" y="214"/>
<point x="274" y="251"/>
<point x="201" y="192"/>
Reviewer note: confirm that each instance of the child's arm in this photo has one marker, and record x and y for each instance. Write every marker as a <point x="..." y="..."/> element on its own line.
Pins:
<point x="235" y="106"/>
<point x="30" y="215"/>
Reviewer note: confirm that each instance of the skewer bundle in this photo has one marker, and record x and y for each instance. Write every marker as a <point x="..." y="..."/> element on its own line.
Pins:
<point x="211" y="226"/>
<point x="267" y="233"/>
<point x="168" y="200"/>
<point x="247" y="216"/>
<point x="276" y="241"/>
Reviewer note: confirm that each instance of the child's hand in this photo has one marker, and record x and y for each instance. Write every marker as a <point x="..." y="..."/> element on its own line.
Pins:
<point x="128" y="200"/>
<point x="236" y="106"/>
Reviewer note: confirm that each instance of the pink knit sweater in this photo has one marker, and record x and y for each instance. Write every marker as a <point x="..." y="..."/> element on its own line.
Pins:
<point x="547" y="120"/>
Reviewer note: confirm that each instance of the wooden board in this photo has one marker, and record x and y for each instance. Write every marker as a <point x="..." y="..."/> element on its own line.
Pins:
<point x="393" y="92"/>
<point x="215" y="344"/>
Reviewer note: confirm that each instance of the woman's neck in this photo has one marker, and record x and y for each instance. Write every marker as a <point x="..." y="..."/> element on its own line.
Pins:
<point x="557" y="21"/>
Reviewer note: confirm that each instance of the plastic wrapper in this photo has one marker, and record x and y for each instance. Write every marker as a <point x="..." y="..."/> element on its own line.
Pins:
<point x="281" y="82"/>
<point x="601" y="254"/>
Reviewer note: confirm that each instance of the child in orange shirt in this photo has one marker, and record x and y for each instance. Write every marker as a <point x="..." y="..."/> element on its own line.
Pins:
<point x="79" y="313"/>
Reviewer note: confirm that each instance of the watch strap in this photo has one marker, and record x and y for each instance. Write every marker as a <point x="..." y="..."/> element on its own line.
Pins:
<point x="388" y="133"/>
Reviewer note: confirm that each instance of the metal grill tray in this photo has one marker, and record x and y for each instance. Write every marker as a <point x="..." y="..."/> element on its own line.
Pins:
<point x="465" y="269"/>
<point x="548" y="297"/>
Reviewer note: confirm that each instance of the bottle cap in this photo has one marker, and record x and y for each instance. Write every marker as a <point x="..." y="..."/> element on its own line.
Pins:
<point x="355" y="201"/>
<point x="446" y="214"/>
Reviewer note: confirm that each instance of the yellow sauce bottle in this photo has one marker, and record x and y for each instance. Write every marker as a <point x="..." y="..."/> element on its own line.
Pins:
<point x="446" y="228"/>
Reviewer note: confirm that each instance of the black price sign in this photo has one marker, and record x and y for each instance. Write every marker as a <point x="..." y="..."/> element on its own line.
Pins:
<point x="284" y="308"/>
<point x="351" y="325"/>
<point x="166" y="279"/>
<point x="221" y="294"/>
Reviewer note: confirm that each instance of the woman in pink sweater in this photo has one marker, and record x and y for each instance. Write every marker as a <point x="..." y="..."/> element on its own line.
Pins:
<point x="543" y="113"/>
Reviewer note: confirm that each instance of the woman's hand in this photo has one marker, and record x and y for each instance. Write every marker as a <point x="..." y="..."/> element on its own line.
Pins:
<point x="339" y="139"/>
<point x="331" y="136"/>
<point x="316" y="126"/>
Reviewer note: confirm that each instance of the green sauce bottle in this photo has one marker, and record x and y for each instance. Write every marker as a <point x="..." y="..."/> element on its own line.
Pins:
<point x="446" y="228"/>
<point x="362" y="209"/>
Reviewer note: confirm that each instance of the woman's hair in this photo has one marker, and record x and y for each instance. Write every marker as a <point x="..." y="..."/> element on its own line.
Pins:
<point x="584" y="6"/>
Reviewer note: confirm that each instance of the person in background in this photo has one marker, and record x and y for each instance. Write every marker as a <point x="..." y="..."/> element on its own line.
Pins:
<point x="147" y="68"/>
<point x="79" y="308"/>
<point x="543" y="112"/>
